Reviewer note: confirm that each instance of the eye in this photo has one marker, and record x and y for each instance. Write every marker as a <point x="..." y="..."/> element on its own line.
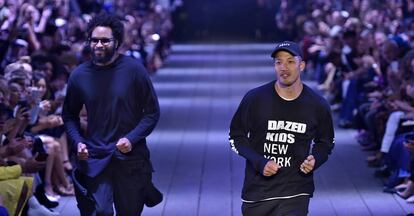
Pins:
<point x="102" y="40"/>
<point x="105" y="40"/>
<point x="94" y="40"/>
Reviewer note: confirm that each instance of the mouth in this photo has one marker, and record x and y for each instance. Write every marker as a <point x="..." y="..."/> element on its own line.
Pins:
<point x="284" y="75"/>
<point x="99" y="51"/>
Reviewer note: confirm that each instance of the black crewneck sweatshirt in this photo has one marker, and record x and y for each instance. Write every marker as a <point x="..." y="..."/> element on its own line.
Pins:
<point x="267" y="127"/>
<point x="120" y="102"/>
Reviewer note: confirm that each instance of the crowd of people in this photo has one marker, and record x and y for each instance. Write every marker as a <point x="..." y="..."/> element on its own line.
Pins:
<point x="41" y="42"/>
<point x="361" y="54"/>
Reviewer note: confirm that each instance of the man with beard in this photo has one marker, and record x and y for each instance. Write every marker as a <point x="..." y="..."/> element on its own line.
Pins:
<point x="274" y="128"/>
<point x="113" y="165"/>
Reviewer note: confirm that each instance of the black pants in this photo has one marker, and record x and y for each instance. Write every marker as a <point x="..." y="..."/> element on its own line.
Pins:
<point x="121" y="183"/>
<point x="297" y="206"/>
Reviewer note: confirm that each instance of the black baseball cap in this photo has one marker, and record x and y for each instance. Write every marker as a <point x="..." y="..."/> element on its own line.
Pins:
<point x="289" y="46"/>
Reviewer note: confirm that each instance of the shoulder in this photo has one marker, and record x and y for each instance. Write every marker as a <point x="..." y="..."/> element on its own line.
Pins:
<point x="133" y="64"/>
<point x="80" y="70"/>
<point x="261" y="91"/>
<point x="316" y="99"/>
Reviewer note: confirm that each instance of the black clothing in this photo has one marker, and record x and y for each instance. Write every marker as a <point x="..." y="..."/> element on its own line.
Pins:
<point x="120" y="102"/>
<point x="122" y="182"/>
<point x="297" y="206"/>
<point x="267" y="127"/>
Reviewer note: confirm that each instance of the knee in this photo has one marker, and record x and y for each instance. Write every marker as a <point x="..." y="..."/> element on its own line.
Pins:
<point x="54" y="147"/>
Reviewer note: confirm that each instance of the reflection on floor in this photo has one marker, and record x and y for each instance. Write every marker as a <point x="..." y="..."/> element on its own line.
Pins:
<point x="199" y="89"/>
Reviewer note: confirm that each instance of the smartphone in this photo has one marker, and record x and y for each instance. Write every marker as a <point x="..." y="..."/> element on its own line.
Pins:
<point x="23" y="104"/>
<point x="36" y="95"/>
<point x="42" y="156"/>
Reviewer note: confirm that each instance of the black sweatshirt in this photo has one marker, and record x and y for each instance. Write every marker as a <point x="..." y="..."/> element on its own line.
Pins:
<point x="120" y="102"/>
<point x="266" y="127"/>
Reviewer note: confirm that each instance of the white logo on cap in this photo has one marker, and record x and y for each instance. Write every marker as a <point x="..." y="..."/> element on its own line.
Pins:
<point x="284" y="44"/>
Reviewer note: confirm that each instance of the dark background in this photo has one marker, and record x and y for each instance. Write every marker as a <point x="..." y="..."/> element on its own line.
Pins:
<point x="224" y="20"/>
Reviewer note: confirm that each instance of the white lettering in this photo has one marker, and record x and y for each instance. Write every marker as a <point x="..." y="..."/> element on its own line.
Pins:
<point x="271" y="125"/>
<point x="282" y="137"/>
<point x="286" y="125"/>
<point x="269" y="136"/>
<point x="275" y="148"/>
<point x="291" y="138"/>
<point x="280" y="125"/>
<point x="281" y="161"/>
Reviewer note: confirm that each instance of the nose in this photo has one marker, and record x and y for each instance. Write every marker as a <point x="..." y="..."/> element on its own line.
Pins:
<point x="99" y="44"/>
<point x="283" y="66"/>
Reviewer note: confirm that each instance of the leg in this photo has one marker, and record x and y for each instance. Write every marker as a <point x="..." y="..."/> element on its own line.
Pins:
<point x="131" y="178"/>
<point x="62" y="184"/>
<point x="50" y="163"/>
<point x="99" y="198"/>
<point x="259" y="208"/>
<point x="391" y="128"/>
<point x="85" y="203"/>
<point x="297" y="206"/>
<point x="65" y="154"/>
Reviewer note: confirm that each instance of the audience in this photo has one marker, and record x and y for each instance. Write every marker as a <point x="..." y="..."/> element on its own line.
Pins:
<point x="41" y="42"/>
<point x="361" y="54"/>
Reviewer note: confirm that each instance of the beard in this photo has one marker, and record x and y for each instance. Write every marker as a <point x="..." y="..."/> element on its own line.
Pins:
<point x="105" y="54"/>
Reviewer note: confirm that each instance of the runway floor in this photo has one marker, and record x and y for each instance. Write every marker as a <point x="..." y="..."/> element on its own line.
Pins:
<point x="199" y="89"/>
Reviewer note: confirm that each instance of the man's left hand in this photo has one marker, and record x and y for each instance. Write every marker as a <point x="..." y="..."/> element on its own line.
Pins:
<point x="308" y="164"/>
<point x="124" y="145"/>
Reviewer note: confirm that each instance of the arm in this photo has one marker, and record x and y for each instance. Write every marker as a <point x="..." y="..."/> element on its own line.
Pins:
<point x="40" y="28"/>
<point x="46" y="122"/>
<point x="238" y="137"/>
<point x="151" y="112"/>
<point x="324" y="139"/>
<point x="70" y="114"/>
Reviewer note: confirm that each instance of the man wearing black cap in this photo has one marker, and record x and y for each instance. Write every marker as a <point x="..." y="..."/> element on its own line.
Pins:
<point x="284" y="131"/>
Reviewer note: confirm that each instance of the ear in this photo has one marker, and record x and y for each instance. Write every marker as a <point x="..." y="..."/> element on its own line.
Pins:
<point x="302" y="66"/>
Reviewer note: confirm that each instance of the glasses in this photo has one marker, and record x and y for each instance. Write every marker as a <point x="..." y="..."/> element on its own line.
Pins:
<point x="104" y="41"/>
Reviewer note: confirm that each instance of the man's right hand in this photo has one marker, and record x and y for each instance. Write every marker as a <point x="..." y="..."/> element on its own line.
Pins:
<point x="82" y="152"/>
<point x="270" y="168"/>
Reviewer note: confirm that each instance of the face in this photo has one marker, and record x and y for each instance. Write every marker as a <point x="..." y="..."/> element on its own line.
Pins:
<point x="103" y="44"/>
<point x="41" y="85"/>
<point x="288" y="68"/>
<point x="409" y="89"/>
<point x="16" y="93"/>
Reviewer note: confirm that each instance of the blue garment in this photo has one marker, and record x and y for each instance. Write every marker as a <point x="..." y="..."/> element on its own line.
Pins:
<point x="398" y="158"/>
<point x="120" y="103"/>
<point x="3" y="211"/>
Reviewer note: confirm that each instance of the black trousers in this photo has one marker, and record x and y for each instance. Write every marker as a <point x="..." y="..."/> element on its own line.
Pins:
<point x="296" y="206"/>
<point x="122" y="183"/>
